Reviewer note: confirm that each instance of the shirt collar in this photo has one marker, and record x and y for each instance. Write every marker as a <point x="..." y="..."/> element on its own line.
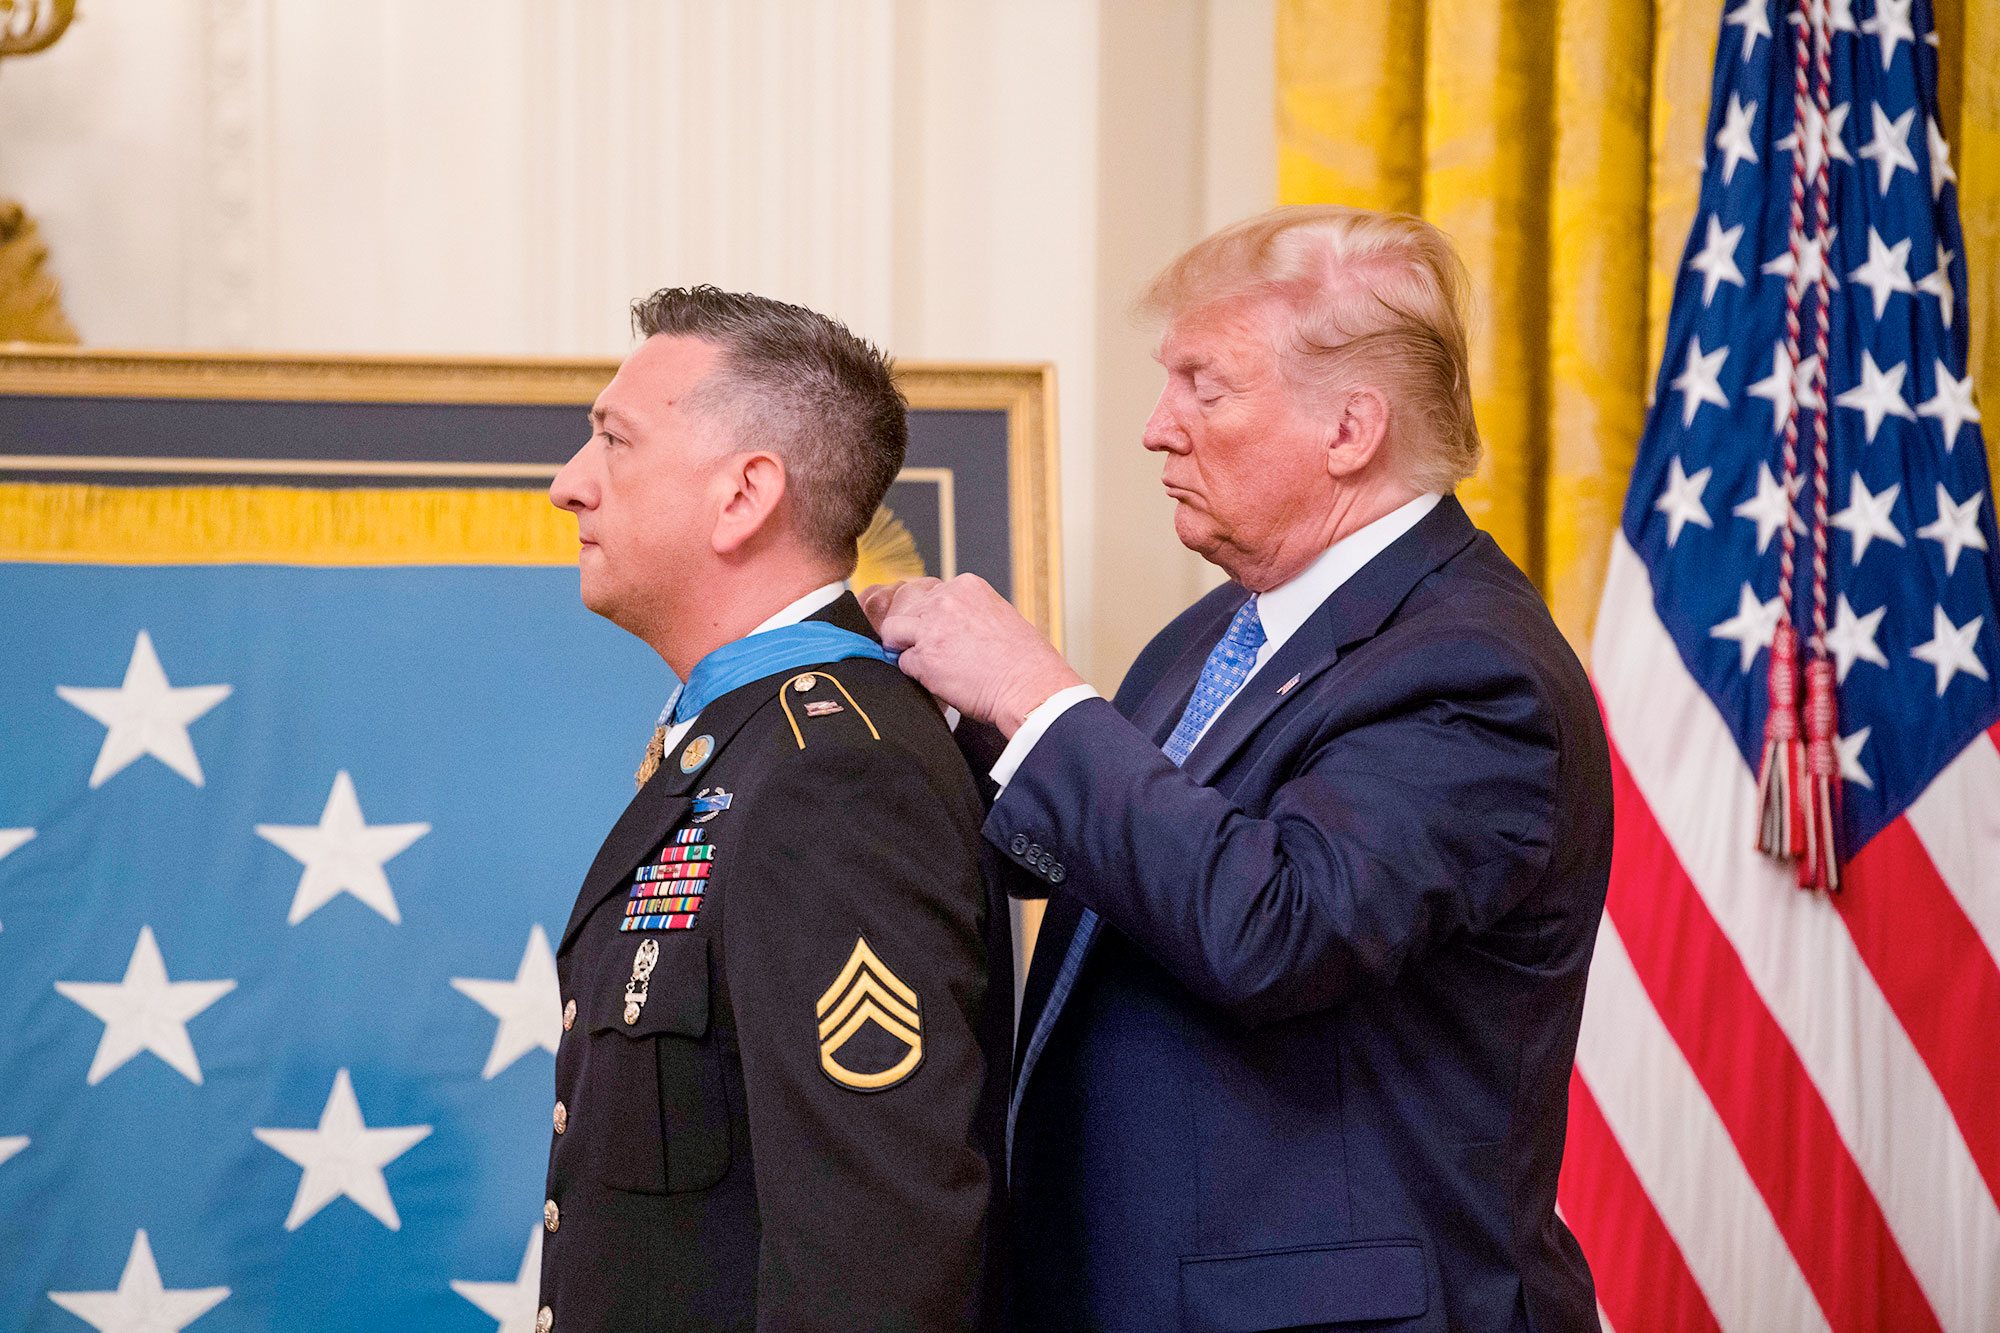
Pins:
<point x="1286" y="607"/>
<point x="816" y="600"/>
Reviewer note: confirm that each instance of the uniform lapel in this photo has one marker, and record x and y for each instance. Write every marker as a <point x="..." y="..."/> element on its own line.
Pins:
<point x="662" y="803"/>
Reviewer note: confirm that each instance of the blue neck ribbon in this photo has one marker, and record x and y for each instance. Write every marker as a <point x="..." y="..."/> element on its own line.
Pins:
<point x="786" y="648"/>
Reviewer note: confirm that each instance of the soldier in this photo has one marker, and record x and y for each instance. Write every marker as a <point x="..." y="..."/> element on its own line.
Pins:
<point x="781" y="1084"/>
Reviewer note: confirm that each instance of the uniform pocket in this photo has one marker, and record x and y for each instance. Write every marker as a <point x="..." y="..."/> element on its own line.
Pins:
<point x="655" y="1087"/>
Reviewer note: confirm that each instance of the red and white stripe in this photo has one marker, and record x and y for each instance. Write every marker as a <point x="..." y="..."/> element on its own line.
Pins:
<point x="1787" y="1106"/>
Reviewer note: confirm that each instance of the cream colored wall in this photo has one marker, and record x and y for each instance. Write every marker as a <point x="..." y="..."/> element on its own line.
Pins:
<point x="955" y="178"/>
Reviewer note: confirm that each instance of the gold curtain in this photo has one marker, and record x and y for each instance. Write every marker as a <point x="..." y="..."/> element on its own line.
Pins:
<point x="1560" y="144"/>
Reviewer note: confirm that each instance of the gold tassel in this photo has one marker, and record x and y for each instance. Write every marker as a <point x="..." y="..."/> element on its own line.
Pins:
<point x="656" y="750"/>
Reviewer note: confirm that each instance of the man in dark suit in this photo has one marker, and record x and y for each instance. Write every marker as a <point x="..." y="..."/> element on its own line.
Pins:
<point x="1324" y="878"/>
<point x="780" y="1091"/>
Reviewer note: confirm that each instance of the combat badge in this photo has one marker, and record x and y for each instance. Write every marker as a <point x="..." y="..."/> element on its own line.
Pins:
<point x="865" y="992"/>
<point x="710" y="802"/>
<point x="643" y="963"/>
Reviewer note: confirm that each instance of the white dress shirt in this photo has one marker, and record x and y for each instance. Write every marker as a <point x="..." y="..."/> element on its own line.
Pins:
<point x="1281" y="610"/>
<point x="792" y="614"/>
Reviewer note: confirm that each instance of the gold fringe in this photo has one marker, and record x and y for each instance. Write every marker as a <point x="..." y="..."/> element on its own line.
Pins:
<point x="886" y="553"/>
<point x="143" y="525"/>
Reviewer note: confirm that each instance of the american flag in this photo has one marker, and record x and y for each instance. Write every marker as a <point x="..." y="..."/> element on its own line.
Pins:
<point x="1786" y="1113"/>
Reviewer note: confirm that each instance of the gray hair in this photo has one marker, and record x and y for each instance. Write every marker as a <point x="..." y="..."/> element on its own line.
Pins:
<point x="801" y="385"/>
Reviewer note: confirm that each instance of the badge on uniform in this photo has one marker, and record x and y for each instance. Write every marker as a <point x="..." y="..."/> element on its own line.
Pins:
<point x="710" y="802"/>
<point x="866" y="992"/>
<point x="643" y="963"/>
<point x="697" y="753"/>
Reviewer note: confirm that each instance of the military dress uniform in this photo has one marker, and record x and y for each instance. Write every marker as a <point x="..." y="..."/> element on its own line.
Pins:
<point x="782" y="1077"/>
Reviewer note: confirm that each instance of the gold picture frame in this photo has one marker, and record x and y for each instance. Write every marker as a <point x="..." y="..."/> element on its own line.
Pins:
<point x="1025" y="392"/>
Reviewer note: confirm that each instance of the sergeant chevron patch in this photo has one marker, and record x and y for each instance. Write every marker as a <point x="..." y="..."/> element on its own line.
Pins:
<point x="865" y="992"/>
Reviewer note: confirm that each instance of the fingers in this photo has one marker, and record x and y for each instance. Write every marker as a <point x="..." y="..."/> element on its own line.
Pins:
<point x="876" y="599"/>
<point x="899" y="632"/>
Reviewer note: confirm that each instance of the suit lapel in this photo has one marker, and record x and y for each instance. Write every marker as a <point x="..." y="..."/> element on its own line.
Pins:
<point x="1355" y="612"/>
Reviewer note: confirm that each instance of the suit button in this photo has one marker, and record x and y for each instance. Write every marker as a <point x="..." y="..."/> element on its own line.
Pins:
<point x="569" y="1015"/>
<point x="1056" y="873"/>
<point x="562" y="1117"/>
<point x="1020" y="844"/>
<point x="545" y="1320"/>
<point x="551" y="1215"/>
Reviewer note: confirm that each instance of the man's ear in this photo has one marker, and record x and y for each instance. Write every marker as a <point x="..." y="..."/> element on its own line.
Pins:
<point x="753" y="486"/>
<point x="1358" y="431"/>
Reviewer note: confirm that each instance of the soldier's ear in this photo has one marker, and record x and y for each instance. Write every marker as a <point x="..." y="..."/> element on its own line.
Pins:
<point x="753" y="487"/>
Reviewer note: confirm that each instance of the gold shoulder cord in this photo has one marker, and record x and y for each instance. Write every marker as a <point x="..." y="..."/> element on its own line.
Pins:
<point x="810" y="677"/>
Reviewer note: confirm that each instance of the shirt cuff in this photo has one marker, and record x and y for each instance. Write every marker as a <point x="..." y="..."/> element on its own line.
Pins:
<point x="1032" y="728"/>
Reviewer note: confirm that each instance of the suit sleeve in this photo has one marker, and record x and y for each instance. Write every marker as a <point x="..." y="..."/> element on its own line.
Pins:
<point x="1387" y="839"/>
<point x="859" y="894"/>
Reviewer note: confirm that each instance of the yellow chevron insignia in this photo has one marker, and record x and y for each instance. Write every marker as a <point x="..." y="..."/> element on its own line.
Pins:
<point x="867" y="991"/>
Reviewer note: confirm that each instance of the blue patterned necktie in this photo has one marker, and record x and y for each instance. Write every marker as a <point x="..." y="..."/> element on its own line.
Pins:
<point x="1228" y="666"/>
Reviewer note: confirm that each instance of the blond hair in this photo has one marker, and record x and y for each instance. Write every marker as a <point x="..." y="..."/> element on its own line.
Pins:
<point x="1374" y="298"/>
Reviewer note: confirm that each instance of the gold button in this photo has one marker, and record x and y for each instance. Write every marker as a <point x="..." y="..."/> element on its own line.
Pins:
<point x="569" y="1015"/>
<point x="545" y="1320"/>
<point x="551" y="1215"/>
<point x="562" y="1117"/>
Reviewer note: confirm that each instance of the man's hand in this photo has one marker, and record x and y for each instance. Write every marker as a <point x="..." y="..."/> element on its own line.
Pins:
<point x="964" y="643"/>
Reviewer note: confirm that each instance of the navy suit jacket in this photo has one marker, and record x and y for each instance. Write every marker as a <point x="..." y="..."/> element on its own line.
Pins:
<point x="1311" y="1066"/>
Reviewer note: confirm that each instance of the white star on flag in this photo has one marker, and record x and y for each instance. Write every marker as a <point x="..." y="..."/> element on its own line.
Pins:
<point x="1811" y="262"/>
<point x="141" y="1304"/>
<point x="1717" y="260"/>
<point x="1890" y="148"/>
<point x="529" y="1007"/>
<point x="1955" y="528"/>
<point x="144" y="1012"/>
<point x="1852" y="638"/>
<point x="343" y="1156"/>
<point x="1951" y="404"/>
<point x="1819" y="135"/>
<point x="1785" y="384"/>
<point x="1951" y="648"/>
<point x="1753" y="625"/>
<point x="512" y="1303"/>
<point x="1887" y="270"/>
<point x="1941" y="170"/>
<point x="1890" y="27"/>
<point x="1698" y="381"/>
<point x="1937" y="283"/>
<point x="1849" y="749"/>
<point x="1734" y="136"/>
<point x="1867" y="516"/>
<point x="1681" y="501"/>
<point x="1771" y="506"/>
<point x="12" y="839"/>
<point x="342" y="853"/>
<point x="1880" y="394"/>
<point x="11" y="1144"/>
<point x="1750" y="17"/>
<point x="144" y="716"/>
